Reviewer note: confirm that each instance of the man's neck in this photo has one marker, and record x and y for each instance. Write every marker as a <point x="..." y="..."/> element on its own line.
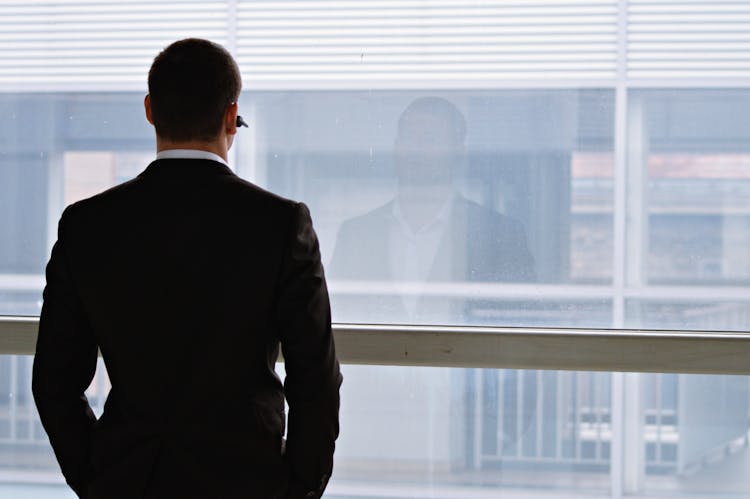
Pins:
<point x="218" y="147"/>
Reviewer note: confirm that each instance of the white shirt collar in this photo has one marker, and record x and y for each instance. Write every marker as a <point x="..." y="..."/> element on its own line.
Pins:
<point x="441" y="217"/>
<point x="190" y="154"/>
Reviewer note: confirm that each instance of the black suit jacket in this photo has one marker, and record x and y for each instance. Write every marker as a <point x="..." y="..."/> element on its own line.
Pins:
<point x="187" y="278"/>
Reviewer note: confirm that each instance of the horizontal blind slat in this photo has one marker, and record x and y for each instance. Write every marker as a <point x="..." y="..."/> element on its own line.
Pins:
<point x="351" y="40"/>
<point x="388" y="41"/>
<point x="66" y="43"/>
<point x="688" y="39"/>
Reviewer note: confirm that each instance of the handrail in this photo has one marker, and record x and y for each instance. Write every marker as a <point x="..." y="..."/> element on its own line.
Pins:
<point x="717" y="352"/>
<point x="477" y="290"/>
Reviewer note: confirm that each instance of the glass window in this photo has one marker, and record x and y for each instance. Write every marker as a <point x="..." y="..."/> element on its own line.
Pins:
<point x="519" y="229"/>
<point x="439" y="432"/>
<point x="56" y="149"/>
<point x="484" y="163"/>
<point x="28" y="468"/>
<point x="689" y="169"/>
<point x="459" y="160"/>
<point x="447" y="208"/>
<point x="441" y="209"/>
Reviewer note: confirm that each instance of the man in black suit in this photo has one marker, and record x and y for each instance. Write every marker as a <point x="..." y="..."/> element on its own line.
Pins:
<point x="187" y="278"/>
<point x="429" y="233"/>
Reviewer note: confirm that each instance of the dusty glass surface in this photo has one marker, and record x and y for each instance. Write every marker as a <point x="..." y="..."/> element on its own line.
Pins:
<point x="471" y="207"/>
<point x="689" y="209"/>
<point x="483" y="207"/>
<point x="438" y="432"/>
<point x="490" y="207"/>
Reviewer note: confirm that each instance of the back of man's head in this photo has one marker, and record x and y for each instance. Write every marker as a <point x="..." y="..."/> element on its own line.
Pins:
<point x="191" y="83"/>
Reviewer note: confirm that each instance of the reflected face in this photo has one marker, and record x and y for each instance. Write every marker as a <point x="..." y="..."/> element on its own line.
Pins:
<point x="426" y="151"/>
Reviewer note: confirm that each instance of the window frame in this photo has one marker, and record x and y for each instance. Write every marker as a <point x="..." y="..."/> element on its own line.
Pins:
<point x="623" y="350"/>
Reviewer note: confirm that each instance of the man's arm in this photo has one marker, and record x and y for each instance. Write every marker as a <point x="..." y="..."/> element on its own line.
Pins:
<point x="64" y="365"/>
<point x="312" y="371"/>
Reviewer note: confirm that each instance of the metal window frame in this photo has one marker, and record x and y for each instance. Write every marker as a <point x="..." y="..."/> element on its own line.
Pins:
<point x="625" y="350"/>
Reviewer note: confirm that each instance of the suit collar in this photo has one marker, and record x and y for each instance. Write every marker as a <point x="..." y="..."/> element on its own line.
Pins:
<point x="190" y="154"/>
<point x="185" y="167"/>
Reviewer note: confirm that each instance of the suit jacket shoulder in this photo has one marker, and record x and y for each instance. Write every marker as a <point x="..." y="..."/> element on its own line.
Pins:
<point x="163" y="186"/>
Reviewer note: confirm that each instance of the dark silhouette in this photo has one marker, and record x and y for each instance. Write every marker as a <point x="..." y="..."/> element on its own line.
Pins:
<point x="187" y="278"/>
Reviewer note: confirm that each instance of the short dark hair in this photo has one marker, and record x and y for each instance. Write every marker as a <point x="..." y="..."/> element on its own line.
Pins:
<point x="440" y="110"/>
<point x="191" y="83"/>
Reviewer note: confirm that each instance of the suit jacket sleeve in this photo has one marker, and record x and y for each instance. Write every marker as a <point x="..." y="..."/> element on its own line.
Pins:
<point x="64" y="365"/>
<point x="312" y="370"/>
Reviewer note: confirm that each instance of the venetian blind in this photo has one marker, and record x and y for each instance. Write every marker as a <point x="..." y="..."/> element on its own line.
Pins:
<point x="688" y="39"/>
<point x="384" y="43"/>
<point x="308" y="44"/>
<point x="63" y="44"/>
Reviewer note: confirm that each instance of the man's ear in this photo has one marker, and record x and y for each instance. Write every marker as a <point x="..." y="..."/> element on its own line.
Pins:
<point x="230" y="119"/>
<point x="147" y="106"/>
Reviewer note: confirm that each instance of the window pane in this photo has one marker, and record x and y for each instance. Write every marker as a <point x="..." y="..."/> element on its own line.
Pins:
<point x="689" y="209"/>
<point x="473" y="207"/>
<point x="28" y="469"/>
<point x="531" y="241"/>
<point x="696" y="435"/>
<point x="438" y="432"/>
<point x="481" y="208"/>
<point x="56" y="149"/>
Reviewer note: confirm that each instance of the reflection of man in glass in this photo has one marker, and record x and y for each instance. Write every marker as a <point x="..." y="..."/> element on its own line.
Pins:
<point x="430" y="232"/>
